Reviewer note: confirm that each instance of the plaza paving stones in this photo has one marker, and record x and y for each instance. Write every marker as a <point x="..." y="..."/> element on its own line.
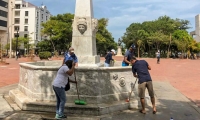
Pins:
<point x="176" y="83"/>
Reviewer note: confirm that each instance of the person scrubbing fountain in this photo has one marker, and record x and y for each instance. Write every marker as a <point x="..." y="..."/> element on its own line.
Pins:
<point x="59" y="84"/>
<point x="140" y="70"/>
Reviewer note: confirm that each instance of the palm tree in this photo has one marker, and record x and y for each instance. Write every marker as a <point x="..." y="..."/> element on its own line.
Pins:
<point x="139" y="44"/>
<point x="141" y="36"/>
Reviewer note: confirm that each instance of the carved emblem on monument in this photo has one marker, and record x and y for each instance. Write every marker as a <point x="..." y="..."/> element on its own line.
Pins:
<point x="82" y="25"/>
<point x="122" y="82"/>
<point x="115" y="76"/>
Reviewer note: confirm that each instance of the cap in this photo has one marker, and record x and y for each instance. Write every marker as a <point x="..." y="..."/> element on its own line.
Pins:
<point x="71" y="49"/>
<point x="112" y="50"/>
<point x="133" y="46"/>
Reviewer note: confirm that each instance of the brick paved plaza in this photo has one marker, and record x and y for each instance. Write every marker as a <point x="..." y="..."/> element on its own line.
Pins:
<point x="182" y="74"/>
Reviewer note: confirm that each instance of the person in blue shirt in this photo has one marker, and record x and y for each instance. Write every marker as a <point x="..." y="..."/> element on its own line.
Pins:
<point x="108" y="58"/>
<point x="128" y="55"/>
<point x="140" y="69"/>
<point x="70" y="56"/>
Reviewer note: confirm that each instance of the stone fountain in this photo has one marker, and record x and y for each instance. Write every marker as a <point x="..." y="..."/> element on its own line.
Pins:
<point x="104" y="88"/>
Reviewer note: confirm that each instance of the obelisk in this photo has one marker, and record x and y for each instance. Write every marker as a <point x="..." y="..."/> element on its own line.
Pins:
<point x="84" y="34"/>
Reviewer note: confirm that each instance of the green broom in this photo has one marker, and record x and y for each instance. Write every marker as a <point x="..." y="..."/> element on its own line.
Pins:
<point x="78" y="102"/>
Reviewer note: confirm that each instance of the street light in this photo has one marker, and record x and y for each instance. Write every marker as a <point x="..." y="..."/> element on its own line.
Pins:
<point x="1" y="48"/>
<point x="16" y="57"/>
<point x="8" y="32"/>
<point x="10" y="35"/>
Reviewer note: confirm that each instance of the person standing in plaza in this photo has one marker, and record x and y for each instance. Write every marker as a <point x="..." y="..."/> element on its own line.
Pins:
<point x="158" y="57"/>
<point x="70" y="55"/>
<point x="59" y="83"/>
<point x="108" y="58"/>
<point x="140" y="70"/>
<point x="128" y="55"/>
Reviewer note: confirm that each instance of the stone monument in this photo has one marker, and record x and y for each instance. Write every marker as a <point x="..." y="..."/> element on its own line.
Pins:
<point x="119" y="48"/>
<point x="105" y="89"/>
<point x="84" y="34"/>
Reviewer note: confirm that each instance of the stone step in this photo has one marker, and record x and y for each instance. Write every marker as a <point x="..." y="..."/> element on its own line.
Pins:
<point x="27" y="104"/>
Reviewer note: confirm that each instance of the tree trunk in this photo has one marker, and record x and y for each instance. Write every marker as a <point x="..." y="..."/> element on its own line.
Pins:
<point x="169" y="45"/>
<point x="138" y="52"/>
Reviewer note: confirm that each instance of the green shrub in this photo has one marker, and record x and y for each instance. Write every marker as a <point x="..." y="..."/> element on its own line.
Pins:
<point x="44" y="55"/>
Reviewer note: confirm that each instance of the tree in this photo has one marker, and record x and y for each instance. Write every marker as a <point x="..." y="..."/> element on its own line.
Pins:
<point x="44" y="45"/>
<point x="160" y="34"/>
<point x="104" y="40"/>
<point x="59" y="28"/>
<point x="140" y="37"/>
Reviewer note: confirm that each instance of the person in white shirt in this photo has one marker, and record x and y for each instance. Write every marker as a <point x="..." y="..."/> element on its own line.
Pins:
<point x="59" y="84"/>
<point x="158" y="57"/>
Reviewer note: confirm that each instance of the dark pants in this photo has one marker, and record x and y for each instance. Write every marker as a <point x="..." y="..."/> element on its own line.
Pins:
<point x="61" y="100"/>
<point x="158" y="59"/>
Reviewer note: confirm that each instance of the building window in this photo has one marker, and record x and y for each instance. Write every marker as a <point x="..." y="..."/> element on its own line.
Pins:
<point x="26" y="13"/>
<point x="36" y="36"/>
<point x="3" y="13"/>
<point x="3" y="23"/>
<point x="25" y="28"/>
<point x="16" y="28"/>
<point x="3" y="4"/>
<point x="17" y="13"/>
<point x="42" y="16"/>
<point x="17" y="6"/>
<point x="16" y="35"/>
<point x="25" y="35"/>
<point x="37" y="14"/>
<point x="17" y="20"/>
<point x="46" y="18"/>
<point x="26" y="21"/>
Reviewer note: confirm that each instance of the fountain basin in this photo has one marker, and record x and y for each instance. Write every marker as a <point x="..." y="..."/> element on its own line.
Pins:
<point x="99" y="86"/>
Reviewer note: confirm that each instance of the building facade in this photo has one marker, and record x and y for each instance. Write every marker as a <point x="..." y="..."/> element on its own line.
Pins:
<point x="196" y="32"/>
<point x="28" y="19"/>
<point x="3" y="21"/>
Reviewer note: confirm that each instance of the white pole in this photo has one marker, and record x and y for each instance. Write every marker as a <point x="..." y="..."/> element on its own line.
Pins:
<point x="10" y="56"/>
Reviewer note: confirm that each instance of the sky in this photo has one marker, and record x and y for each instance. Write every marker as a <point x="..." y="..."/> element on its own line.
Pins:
<point x="122" y="13"/>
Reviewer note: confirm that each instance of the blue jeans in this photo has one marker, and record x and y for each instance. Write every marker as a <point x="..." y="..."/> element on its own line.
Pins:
<point x="106" y="65"/>
<point x="61" y="100"/>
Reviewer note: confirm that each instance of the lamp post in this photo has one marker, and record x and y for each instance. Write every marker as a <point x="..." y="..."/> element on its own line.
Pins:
<point x="16" y="57"/>
<point x="8" y="38"/>
<point x="10" y="35"/>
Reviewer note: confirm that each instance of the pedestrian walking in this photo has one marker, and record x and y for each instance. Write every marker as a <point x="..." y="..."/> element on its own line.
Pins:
<point x="158" y="57"/>
<point x="108" y="58"/>
<point x="59" y="84"/>
<point x="140" y="70"/>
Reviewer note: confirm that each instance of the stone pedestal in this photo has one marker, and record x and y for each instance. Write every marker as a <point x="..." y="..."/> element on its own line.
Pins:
<point x="84" y="34"/>
<point x="119" y="51"/>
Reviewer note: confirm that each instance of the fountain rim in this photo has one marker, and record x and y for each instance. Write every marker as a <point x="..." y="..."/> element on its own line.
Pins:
<point x="88" y="68"/>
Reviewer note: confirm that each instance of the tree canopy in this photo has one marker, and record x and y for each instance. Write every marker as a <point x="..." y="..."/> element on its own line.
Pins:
<point x="59" y="30"/>
<point x="165" y="34"/>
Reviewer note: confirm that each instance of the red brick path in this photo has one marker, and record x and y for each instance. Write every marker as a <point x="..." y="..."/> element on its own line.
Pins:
<point x="184" y="74"/>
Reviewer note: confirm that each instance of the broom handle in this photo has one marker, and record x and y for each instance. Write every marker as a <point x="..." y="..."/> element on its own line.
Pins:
<point x="76" y="85"/>
<point x="132" y="89"/>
